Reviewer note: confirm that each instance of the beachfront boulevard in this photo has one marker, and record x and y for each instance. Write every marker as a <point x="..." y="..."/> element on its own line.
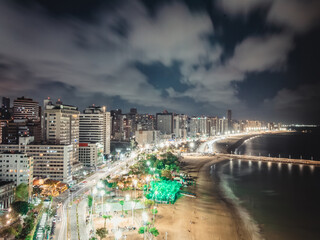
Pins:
<point x="74" y="203"/>
<point x="123" y="200"/>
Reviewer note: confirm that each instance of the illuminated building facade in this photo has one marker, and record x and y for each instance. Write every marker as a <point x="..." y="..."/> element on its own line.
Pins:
<point x="95" y="127"/>
<point x="61" y="127"/>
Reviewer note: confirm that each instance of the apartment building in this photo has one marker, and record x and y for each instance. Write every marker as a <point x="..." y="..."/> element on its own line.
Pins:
<point x="95" y="127"/>
<point x="16" y="167"/>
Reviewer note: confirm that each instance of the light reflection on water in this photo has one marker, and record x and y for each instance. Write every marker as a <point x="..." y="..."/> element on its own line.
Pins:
<point x="283" y="198"/>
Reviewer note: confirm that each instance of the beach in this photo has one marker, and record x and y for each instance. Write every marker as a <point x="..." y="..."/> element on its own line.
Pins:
<point x="211" y="215"/>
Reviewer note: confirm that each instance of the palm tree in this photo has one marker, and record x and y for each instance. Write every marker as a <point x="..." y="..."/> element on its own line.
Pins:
<point x="105" y="219"/>
<point x="121" y="203"/>
<point x="101" y="232"/>
<point x="154" y="231"/>
<point x="154" y="212"/>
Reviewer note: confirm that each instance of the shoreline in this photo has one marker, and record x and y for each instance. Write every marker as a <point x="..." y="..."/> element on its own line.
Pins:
<point x="230" y="143"/>
<point x="212" y="215"/>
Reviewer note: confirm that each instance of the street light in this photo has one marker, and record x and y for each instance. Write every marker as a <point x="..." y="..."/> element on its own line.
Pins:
<point x="132" y="205"/>
<point x="135" y="182"/>
<point x="127" y="197"/>
<point x="118" y="235"/>
<point x="102" y="194"/>
<point x="94" y="192"/>
<point x="108" y="208"/>
<point x="145" y="220"/>
<point x="144" y="217"/>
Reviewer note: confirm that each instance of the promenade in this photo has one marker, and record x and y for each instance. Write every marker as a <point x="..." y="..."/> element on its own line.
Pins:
<point x="270" y="159"/>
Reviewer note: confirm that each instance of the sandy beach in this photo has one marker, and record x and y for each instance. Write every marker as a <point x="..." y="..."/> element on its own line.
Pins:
<point x="211" y="215"/>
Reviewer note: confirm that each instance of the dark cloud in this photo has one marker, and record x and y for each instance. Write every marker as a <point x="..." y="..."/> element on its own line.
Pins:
<point x="162" y="54"/>
<point x="297" y="15"/>
<point x="301" y="104"/>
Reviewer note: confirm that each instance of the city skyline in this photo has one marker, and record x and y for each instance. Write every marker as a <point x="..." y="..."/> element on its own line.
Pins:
<point x="195" y="58"/>
<point x="7" y="101"/>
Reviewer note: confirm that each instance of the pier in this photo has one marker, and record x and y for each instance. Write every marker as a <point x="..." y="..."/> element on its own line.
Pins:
<point x="270" y="159"/>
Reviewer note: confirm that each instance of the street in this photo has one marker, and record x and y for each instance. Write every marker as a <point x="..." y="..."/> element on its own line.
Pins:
<point x="67" y="227"/>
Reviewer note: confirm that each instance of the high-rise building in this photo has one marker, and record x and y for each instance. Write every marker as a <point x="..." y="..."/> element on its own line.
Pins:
<point x="229" y="118"/>
<point x="133" y="111"/>
<point x="91" y="155"/>
<point x="95" y="127"/>
<point x="131" y="124"/>
<point x="116" y="124"/>
<point x="25" y="108"/>
<point x="16" y="167"/>
<point x="50" y="161"/>
<point x="199" y="126"/>
<point x="145" y="122"/>
<point x="5" y="102"/>
<point x="165" y="123"/>
<point x="26" y="121"/>
<point x="3" y="123"/>
<point x="147" y="137"/>
<point x="223" y="125"/>
<point x="180" y="126"/>
<point x="5" y="109"/>
<point x="43" y="123"/>
<point x="21" y="128"/>
<point x="61" y="127"/>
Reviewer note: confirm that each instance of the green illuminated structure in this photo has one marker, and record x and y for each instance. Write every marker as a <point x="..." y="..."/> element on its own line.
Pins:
<point x="163" y="191"/>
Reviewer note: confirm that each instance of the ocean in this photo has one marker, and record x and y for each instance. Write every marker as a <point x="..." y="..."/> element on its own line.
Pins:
<point x="296" y="145"/>
<point x="282" y="199"/>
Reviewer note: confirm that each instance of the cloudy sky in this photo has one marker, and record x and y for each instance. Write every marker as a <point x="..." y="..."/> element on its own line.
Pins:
<point x="260" y="58"/>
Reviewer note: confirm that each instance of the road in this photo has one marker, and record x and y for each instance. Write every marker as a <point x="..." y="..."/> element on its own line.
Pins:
<point x="208" y="146"/>
<point x="83" y="227"/>
<point x="73" y="222"/>
<point x="66" y="198"/>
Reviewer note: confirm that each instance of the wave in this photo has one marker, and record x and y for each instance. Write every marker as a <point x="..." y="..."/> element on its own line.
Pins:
<point x="249" y="223"/>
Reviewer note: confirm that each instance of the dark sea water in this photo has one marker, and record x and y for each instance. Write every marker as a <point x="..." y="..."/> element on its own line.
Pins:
<point x="283" y="199"/>
<point x="294" y="145"/>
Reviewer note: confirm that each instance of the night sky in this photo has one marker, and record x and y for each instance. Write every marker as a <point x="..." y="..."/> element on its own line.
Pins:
<point x="260" y="58"/>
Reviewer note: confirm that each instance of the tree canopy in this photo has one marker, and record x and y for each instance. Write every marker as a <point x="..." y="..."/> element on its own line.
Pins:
<point x="22" y="192"/>
<point x="20" y="207"/>
<point x="154" y="231"/>
<point x="101" y="232"/>
<point x="90" y="200"/>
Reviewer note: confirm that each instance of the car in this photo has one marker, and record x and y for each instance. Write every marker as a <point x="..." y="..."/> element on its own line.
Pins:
<point x="54" y="220"/>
